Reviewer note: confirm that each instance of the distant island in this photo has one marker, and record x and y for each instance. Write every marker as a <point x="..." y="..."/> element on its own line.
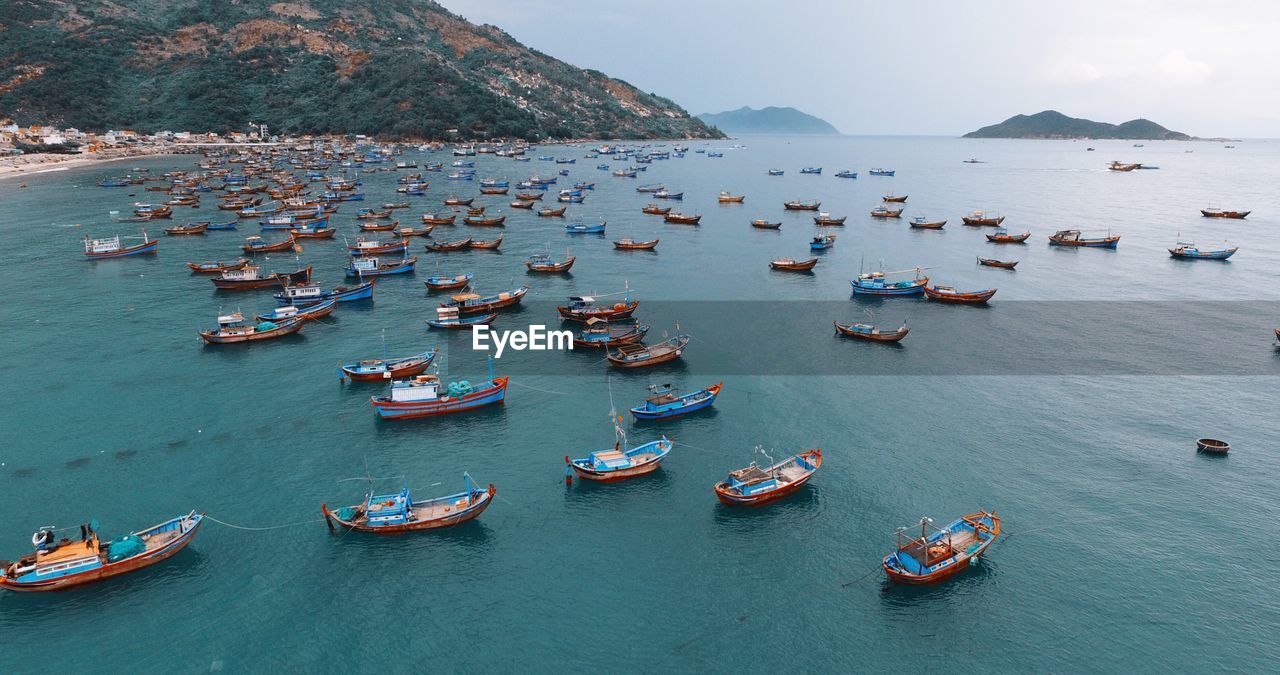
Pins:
<point x="392" y="69"/>
<point x="771" y="120"/>
<point x="1053" y="124"/>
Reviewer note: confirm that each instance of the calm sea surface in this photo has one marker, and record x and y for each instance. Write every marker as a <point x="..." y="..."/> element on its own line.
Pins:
<point x="1071" y="406"/>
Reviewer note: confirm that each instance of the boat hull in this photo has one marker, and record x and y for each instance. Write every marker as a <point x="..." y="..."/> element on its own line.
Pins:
<point x="495" y="393"/>
<point x="470" y="513"/>
<point x="141" y="249"/>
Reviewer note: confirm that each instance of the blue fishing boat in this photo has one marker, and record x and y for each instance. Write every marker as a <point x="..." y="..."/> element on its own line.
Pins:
<point x="941" y="553"/>
<point x="372" y="370"/>
<point x="112" y="247"/>
<point x="625" y="173"/>
<point x="566" y="160"/>
<point x="564" y="172"/>
<point x="303" y="295"/>
<point x="811" y="169"/>
<point x="664" y="194"/>
<point x="370" y="267"/>
<point x="448" y="318"/>
<point x="756" y="485"/>
<point x="720" y="154"/>
<point x="876" y="283"/>
<point x="776" y="172"/>
<point x="493" y="183"/>
<point x="398" y="513"/>
<point x="309" y="312"/>
<point x="1190" y="251"/>
<point x="619" y="463"/>
<point x="601" y="333"/>
<point x="822" y="242"/>
<point x="585" y="228"/>
<point x="881" y="172"/>
<point x="664" y="403"/>
<point x="423" y="396"/>
<point x="846" y="174"/>
<point x="584" y="186"/>
<point x="223" y="226"/>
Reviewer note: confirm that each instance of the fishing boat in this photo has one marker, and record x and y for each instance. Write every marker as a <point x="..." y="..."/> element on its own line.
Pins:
<point x="489" y="244"/>
<point x="521" y="205"/>
<point x="448" y="283"/>
<point x="846" y="174"/>
<point x="421" y="396"/>
<point x="1190" y="251"/>
<point x="822" y="242"/>
<point x="602" y="333"/>
<point x="867" y="331"/>
<point x="370" y="214"/>
<point x="152" y="212"/>
<point x="398" y="514"/>
<point x="1213" y="446"/>
<point x="313" y="233"/>
<point x="529" y="196"/>
<point x="876" y="283"/>
<point x="776" y="172"/>
<point x="618" y="464"/>
<point x="255" y="245"/>
<point x="950" y="294"/>
<point x="374" y="370"/>
<point x="979" y="218"/>
<point x="251" y="278"/>
<point x="637" y="355"/>
<point x="552" y="213"/>
<point x="664" y="402"/>
<point x="765" y="224"/>
<point x="493" y="190"/>
<point x="458" y="201"/>
<point x="217" y="267"/>
<point x="474" y="303"/>
<point x="456" y="245"/>
<point x="921" y="223"/>
<point x="629" y="244"/>
<point x="585" y="228"/>
<point x="584" y="308"/>
<point x="992" y="262"/>
<point x="793" y="265"/>
<point x="795" y="205"/>
<point x="396" y="205"/>
<point x="755" y="485"/>
<point x="1002" y="236"/>
<point x="434" y="219"/>
<point x="233" y="329"/>
<point x="542" y="262"/>
<point x="494" y="221"/>
<point x="655" y="210"/>
<point x="726" y="198"/>
<point x="1219" y="213"/>
<point x="1074" y="238"/>
<point x="650" y="189"/>
<point x="939" y="554"/>
<point x="823" y="218"/>
<point x="681" y="219"/>
<point x="664" y="194"/>
<point x="223" y="226"/>
<point x="112" y="247"/>
<point x="376" y="267"/>
<point x="414" y="232"/>
<point x="881" y="172"/>
<point x="372" y="247"/>
<point x="1123" y="167"/>
<point x="811" y="169"/>
<point x="310" y="312"/>
<point x="59" y="564"/>
<point x="449" y="318"/>
<point x="305" y="295"/>
<point x="189" y="228"/>
<point x="886" y="212"/>
<point x="894" y="199"/>
<point x="378" y="226"/>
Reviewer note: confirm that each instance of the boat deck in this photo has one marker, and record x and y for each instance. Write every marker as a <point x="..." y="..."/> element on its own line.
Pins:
<point x="960" y="542"/>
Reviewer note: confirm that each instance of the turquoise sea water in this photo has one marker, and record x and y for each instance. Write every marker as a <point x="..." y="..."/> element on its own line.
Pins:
<point x="1123" y="549"/>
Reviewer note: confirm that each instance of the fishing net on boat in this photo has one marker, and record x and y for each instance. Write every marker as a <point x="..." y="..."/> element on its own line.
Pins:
<point x="347" y="513"/>
<point x="266" y="326"/>
<point x="460" y="388"/>
<point x="125" y="547"/>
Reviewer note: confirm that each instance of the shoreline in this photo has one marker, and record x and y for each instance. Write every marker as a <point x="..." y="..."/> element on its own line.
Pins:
<point x="42" y="163"/>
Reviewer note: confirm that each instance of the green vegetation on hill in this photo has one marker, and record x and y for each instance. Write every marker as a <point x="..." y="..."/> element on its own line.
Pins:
<point x="771" y="120"/>
<point x="1053" y="124"/>
<point x="397" y="68"/>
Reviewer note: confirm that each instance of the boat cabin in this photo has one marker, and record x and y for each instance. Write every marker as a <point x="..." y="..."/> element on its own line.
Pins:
<point x="420" y="388"/>
<point x="304" y="293"/>
<point x="383" y="510"/>
<point x="110" y="245"/>
<point x="242" y="274"/>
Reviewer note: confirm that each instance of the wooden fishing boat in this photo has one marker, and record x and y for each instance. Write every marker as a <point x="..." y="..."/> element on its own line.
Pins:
<point x="1219" y="213"/>
<point x="377" y="267"/>
<point x="584" y="308"/>
<point x="57" y="565"/>
<point x="1190" y="251"/>
<point x="886" y="212"/>
<point x="152" y="212"/>
<point x="456" y="245"/>
<point x="1213" y="446"/>
<point x="641" y="356"/>
<point x="372" y="247"/>
<point x="940" y="554"/>
<point x="434" y="219"/>
<point x="978" y="219"/>
<point x="726" y="198"/>
<point x="529" y="196"/>
<point x="313" y="233"/>
<point x="919" y="222"/>
<point x="822" y="242"/>
<point x="396" y="205"/>
<point x="876" y="283"/>
<point x="602" y="333"/>
<point x="755" y="485"/>
<point x="521" y="205"/>
<point x="310" y="312"/>
<point x="992" y="262"/>
<point x="189" y="228"/>
<point x="895" y="199"/>
<point x="825" y="219"/>
<point x="681" y="219"/>
<point x="866" y="331"/>
<point x="617" y="464"/>
<point x="449" y="318"/>
<point x="370" y="214"/>
<point x="1002" y="236"/>
<point x="458" y="201"/>
<point x="763" y="224"/>
<point x="493" y="190"/>
<point x="489" y="222"/>
<point x="950" y="294"/>
<point x="629" y="244"/>
<point x="398" y="514"/>
<point x="305" y="295"/>
<point x="1073" y="238"/>
<point x="217" y="267"/>
<point x="664" y="402"/>
<point x="378" y="226"/>
<point x="414" y="232"/>
<point x="585" y="228"/>
<point x="421" y="397"/>
<point x="552" y="213"/>
<point x="111" y="247"/>
<point x="448" y="283"/>
<point x="1121" y="166"/>
<point x="255" y="244"/>
<point x="811" y="205"/>
<point x="490" y="244"/>
<point x="655" y="210"/>
<point x="474" y="303"/>
<point x="375" y="370"/>
<point x="793" y="265"/>
<point x="232" y="329"/>
<point x="542" y="262"/>
<point x="250" y="278"/>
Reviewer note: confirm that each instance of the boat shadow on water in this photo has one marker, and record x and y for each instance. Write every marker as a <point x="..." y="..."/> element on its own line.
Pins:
<point x="589" y="492"/>
<point x="472" y="535"/>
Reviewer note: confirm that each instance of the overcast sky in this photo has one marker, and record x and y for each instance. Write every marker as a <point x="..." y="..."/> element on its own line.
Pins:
<point x="927" y="66"/>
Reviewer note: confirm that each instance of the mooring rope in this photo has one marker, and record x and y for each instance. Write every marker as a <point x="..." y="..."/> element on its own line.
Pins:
<point x="545" y="391"/>
<point x="262" y="529"/>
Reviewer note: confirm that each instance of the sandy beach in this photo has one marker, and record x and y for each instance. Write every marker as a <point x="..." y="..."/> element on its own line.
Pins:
<point x="38" y="163"/>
